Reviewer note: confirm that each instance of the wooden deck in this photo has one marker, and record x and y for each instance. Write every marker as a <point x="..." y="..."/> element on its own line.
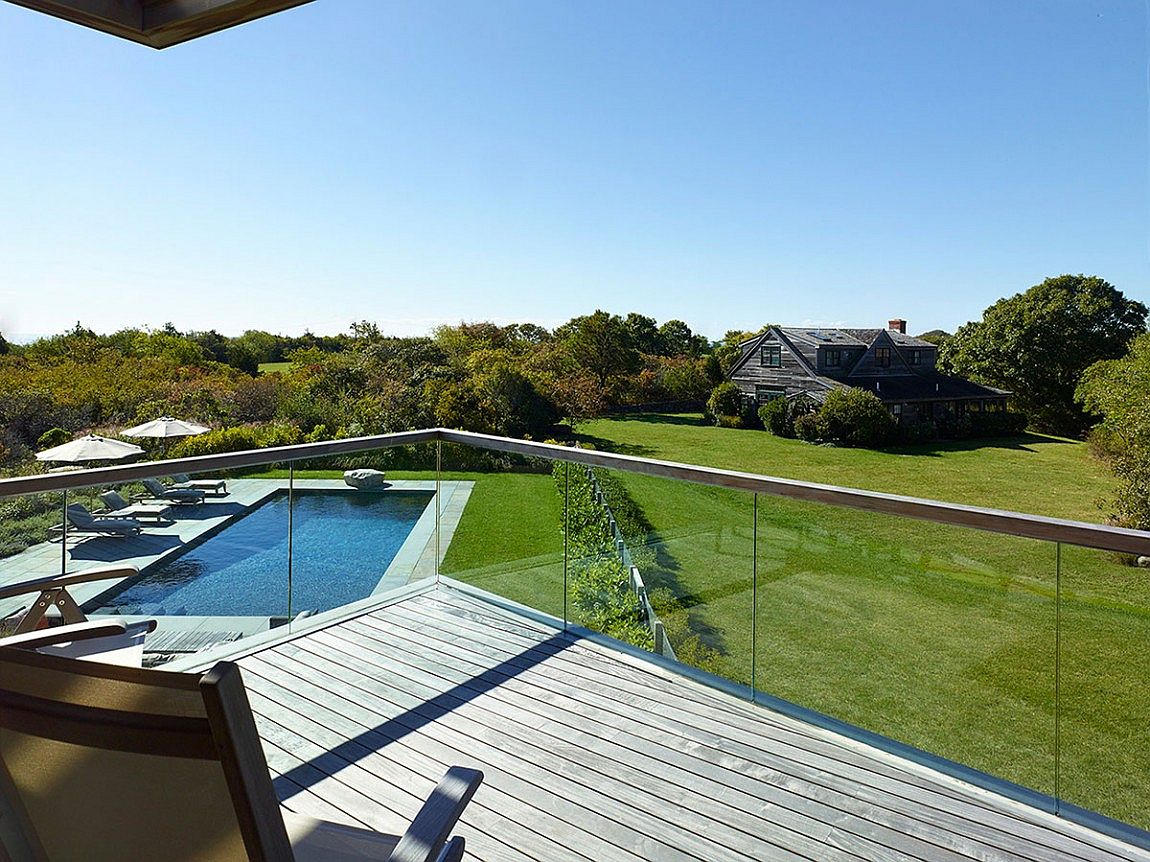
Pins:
<point x="591" y="754"/>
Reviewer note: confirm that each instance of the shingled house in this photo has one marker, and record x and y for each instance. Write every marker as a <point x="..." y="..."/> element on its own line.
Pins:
<point x="800" y="363"/>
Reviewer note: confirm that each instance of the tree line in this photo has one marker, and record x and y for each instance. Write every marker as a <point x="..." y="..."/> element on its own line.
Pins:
<point x="516" y="380"/>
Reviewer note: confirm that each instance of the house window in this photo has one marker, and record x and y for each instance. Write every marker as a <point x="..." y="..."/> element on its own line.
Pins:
<point x="882" y="357"/>
<point x="771" y="356"/>
<point x="915" y="357"/>
<point x="763" y="394"/>
<point x="833" y="358"/>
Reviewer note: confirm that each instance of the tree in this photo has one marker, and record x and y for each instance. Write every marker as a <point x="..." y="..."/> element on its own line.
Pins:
<point x="1119" y="391"/>
<point x="677" y="339"/>
<point x="1038" y="343"/>
<point x="601" y="344"/>
<point x="937" y="337"/>
<point x="644" y="334"/>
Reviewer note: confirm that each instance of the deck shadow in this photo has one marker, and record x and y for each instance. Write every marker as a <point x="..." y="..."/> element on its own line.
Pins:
<point x="371" y="741"/>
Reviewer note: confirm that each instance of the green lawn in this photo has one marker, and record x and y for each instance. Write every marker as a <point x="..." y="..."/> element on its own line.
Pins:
<point x="937" y="636"/>
<point x="274" y="367"/>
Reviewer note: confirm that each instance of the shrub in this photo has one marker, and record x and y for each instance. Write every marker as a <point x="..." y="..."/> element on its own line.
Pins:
<point x="726" y="400"/>
<point x="810" y="427"/>
<point x="776" y="418"/>
<point x="854" y="417"/>
<point x="53" y="437"/>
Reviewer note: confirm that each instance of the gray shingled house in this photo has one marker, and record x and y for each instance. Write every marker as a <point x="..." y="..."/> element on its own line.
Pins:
<point x="800" y="363"/>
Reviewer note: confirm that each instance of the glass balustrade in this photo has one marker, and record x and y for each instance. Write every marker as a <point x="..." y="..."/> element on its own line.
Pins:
<point x="1019" y="658"/>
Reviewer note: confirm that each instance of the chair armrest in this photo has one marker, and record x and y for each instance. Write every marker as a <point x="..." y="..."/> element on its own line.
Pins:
<point x="66" y="634"/>
<point x="424" y="839"/>
<point x="37" y="585"/>
<point x="452" y="850"/>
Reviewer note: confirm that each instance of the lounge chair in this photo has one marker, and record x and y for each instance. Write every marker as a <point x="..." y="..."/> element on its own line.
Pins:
<point x="84" y="522"/>
<point x="219" y="487"/>
<point x="110" y="640"/>
<point x="157" y="491"/>
<point x="118" y="507"/>
<point x="104" y="764"/>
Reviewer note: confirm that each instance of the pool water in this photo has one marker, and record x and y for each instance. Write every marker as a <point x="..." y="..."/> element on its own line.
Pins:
<point x="342" y="544"/>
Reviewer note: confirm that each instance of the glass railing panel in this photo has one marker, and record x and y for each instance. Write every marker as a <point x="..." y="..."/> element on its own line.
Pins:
<point x="1104" y="690"/>
<point x="938" y="637"/>
<point x="501" y="525"/>
<point x="664" y="565"/>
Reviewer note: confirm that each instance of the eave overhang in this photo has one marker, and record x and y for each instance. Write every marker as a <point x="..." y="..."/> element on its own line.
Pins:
<point x="159" y="23"/>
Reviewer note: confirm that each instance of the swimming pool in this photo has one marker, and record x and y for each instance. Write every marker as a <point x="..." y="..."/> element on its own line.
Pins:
<point x="342" y="543"/>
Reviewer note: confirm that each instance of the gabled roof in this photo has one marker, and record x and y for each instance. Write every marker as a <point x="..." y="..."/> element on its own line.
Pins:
<point x="824" y="337"/>
<point x="901" y="339"/>
<point x="159" y="23"/>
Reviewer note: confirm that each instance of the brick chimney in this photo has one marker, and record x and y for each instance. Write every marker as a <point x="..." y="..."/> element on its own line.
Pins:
<point x="896" y="324"/>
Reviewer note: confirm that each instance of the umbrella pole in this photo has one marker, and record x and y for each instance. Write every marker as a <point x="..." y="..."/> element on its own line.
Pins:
<point x="64" y="533"/>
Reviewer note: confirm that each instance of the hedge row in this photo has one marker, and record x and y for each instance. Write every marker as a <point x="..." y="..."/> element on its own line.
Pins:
<point x="637" y="531"/>
<point x="598" y="582"/>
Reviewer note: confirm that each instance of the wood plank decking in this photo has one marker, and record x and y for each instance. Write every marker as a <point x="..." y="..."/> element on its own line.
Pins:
<point x="590" y="754"/>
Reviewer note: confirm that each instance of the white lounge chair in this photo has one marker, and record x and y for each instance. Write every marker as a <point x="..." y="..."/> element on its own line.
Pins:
<point x="118" y="507"/>
<point x="84" y="522"/>
<point x="110" y="640"/>
<point x="157" y="491"/>
<point x="218" y="487"/>
<point x="104" y="764"/>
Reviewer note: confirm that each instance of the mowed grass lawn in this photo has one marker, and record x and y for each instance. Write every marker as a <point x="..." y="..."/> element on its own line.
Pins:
<point x="938" y="636"/>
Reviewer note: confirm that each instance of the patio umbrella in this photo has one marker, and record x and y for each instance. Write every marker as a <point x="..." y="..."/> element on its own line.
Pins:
<point x="165" y="427"/>
<point x="84" y="450"/>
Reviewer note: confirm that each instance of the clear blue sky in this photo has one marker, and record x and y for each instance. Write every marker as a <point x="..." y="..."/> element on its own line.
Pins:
<point x="729" y="164"/>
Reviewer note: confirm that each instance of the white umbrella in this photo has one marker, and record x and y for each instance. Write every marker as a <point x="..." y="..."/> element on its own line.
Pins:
<point x="166" y="426"/>
<point x="89" y="448"/>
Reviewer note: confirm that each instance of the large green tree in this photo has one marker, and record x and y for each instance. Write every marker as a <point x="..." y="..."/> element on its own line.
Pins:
<point x="1038" y="343"/>
<point x="601" y="344"/>
<point x="1119" y="391"/>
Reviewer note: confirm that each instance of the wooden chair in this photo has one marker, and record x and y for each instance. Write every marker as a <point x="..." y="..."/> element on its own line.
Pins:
<point x="102" y="763"/>
<point x="108" y="639"/>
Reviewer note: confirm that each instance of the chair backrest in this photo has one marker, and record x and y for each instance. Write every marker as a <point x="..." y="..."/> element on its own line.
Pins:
<point x="154" y="486"/>
<point x="110" y="763"/>
<point x="180" y="477"/>
<point x="113" y="500"/>
<point x="79" y="515"/>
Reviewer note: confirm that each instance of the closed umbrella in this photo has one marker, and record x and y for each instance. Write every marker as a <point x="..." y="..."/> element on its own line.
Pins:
<point x="81" y="451"/>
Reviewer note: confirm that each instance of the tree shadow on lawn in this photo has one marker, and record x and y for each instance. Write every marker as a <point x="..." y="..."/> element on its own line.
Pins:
<point x="664" y="574"/>
<point x="695" y="419"/>
<point x="633" y="449"/>
<point x="936" y="448"/>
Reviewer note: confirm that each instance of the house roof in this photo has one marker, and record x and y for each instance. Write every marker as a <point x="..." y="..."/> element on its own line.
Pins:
<point x="159" y="23"/>
<point x="924" y="386"/>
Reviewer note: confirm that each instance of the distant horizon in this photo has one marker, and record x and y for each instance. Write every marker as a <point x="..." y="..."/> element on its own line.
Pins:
<point x="23" y="338"/>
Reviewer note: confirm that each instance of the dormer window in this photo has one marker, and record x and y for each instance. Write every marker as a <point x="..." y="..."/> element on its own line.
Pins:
<point x="771" y="356"/>
<point x="834" y="358"/>
<point x="915" y="357"/>
<point x="882" y="357"/>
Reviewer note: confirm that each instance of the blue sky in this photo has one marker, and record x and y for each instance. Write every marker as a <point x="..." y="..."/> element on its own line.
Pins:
<point x="728" y="164"/>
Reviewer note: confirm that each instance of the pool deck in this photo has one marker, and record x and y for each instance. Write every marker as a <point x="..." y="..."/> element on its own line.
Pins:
<point x="192" y="524"/>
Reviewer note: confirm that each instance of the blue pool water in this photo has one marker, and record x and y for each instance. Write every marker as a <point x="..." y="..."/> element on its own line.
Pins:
<point x="342" y="544"/>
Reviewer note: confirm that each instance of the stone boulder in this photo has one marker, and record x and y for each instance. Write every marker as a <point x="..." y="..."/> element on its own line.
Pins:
<point x="364" y="478"/>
